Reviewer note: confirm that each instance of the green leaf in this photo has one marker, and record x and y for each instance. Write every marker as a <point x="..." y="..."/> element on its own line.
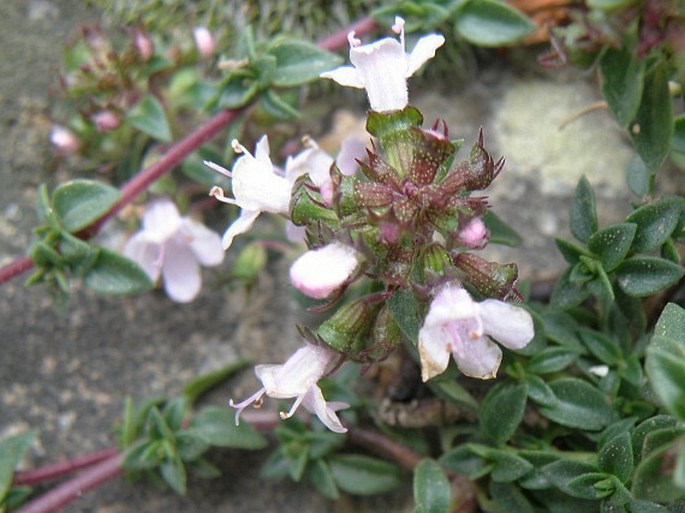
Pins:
<point x="491" y="23"/>
<point x="196" y="387"/>
<point x="174" y="411"/>
<point x="643" y="276"/>
<point x="616" y="457"/>
<point x="202" y="468"/>
<point x="464" y="461"/>
<point x="574" y="478"/>
<point x="190" y="446"/>
<point x="278" y="106"/>
<point x="174" y="473"/>
<point x="646" y="507"/>
<point x="404" y="309"/>
<point x="78" y="203"/>
<point x="639" y="177"/>
<point x="12" y="450"/>
<point x="570" y="251"/>
<point x="149" y="117"/>
<point x="236" y="92"/>
<point x="665" y="366"/>
<point x="652" y="128"/>
<point x="363" y="475"/>
<point x="299" y="62"/>
<point x="612" y="244"/>
<point x="551" y="359"/>
<point x="656" y="423"/>
<point x="502" y="410"/>
<point x="217" y="426"/>
<point x="608" y="5"/>
<point x="194" y="167"/>
<point x="652" y="479"/>
<point x="539" y="391"/>
<point x="143" y="455"/>
<point x="508" y="466"/>
<point x="671" y="323"/>
<point x="501" y="232"/>
<point x="320" y="476"/>
<point x="113" y="274"/>
<point x="446" y="387"/>
<point x="508" y="498"/>
<point x="622" y="74"/>
<point x="655" y="223"/>
<point x="583" y="216"/>
<point x="602" y="346"/>
<point x="156" y="425"/>
<point x="568" y="293"/>
<point x="432" y="491"/>
<point x="579" y="405"/>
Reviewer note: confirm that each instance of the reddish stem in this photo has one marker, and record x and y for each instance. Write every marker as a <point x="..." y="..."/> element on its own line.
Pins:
<point x="61" y="468"/>
<point x="339" y="39"/>
<point x="379" y="443"/>
<point x="15" y="268"/>
<point x="179" y="151"/>
<point x="65" y="493"/>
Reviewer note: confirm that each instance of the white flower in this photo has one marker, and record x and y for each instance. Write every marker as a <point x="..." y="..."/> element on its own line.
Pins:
<point x="319" y="272"/>
<point x="64" y="140"/>
<point x="458" y="325"/>
<point x="317" y="163"/>
<point x="297" y="378"/>
<point x="174" y="247"/>
<point x="257" y="188"/>
<point x="204" y="41"/>
<point x="384" y="66"/>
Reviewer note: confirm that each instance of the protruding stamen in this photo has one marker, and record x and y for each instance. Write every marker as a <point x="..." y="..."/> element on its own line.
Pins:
<point x="218" y="193"/>
<point x="398" y="28"/>
<point x="354" y="42"/>
<point x="216" y="167"/>
<point x="237" y="147"/>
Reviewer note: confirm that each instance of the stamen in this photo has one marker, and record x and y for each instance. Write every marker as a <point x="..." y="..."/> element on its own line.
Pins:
<point x="219" y="169"/>
<point x="398" y="28"/>
<point x="218" y="193"/>
<point x="237" y="147"/>
<point x="354" y="42"/>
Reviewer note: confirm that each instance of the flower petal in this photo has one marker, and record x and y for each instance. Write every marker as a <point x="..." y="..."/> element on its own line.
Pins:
<point x="180" y="272"/>
<point x="424" y="50"/>
<point x="161" y="219"/>
<point x="240" y="225"/>
<point x="261" y="151"/>
<point x="319" y="272"/>
<point x="256" y="186"/>
<point x="512" y="326"/>
<point x="204" y="243"/>
<point x="478" y="358"/>
<point x="146" y="253"/>
<point x="382" y="67"/>
<point x="315" y="403"/>
<point x="345" y="76"/>
<point x="434" y="351"/>
<point x="451" y="303"/>
<point x="351" y="150"/>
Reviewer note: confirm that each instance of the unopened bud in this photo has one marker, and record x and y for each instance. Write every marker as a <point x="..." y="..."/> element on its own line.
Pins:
<point x="474" y="235"/>
<point x="106" y="121"/>
<point x="65" y="140"/>
<point x="144" y="45"/>
<point x="489" y="278"/>
<point x="349" y="330"/>
<point x="204" y="41"/>
<point x="250" y="263"/>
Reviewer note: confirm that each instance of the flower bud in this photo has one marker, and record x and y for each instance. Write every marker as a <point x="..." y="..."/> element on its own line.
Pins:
<point x="304" y="208"/>
<point x="204" y="41"/>
<point x="349" y="329"/>
<point x="489" y="278"/>
<point x="476" y="172"/>
<point x="106" y="121"/>
<point x="474" y="235"/>
<point x="436" y="259"/>
<point x="144" y="45"/>
<point x="65" y="140"/>
<point x="318" y="273"/>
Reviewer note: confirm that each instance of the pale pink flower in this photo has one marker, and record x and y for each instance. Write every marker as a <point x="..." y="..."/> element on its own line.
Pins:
<point x="297" y="379"/>
<point x="474" y="235"/>
<point x="317" y="163"/>
<point x="106" y="121"/>
<point x="174" y="247"/>
<point x="257" y="187"/>
<point x="64" y="140"/>
<point x="459" y="326"/>
<point x="383" y="67"/>
<point x="144" y="45"/>
<point x="204" y="41"/>
<point x="320" y="272"/>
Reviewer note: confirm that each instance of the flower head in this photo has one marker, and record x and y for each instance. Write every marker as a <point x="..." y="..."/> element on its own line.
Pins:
<point x="458" y="325"/>
<point x="204" y="41"/>
<point x="383" y="67"/>
<point x="257" y="188"/>
<point x="174" y="247"/>
<point x="297" y="378"/>
<point x="319" y="272"/>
